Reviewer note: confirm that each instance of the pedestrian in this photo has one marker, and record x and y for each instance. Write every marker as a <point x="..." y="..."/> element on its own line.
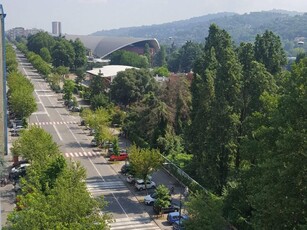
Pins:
<point x="172" y="190"/>
<point x="186" y="191"/>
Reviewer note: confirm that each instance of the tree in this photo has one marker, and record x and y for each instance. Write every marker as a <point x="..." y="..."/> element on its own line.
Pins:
<point x="163" y="199"/>
<point x="11" y="62"/>
<point x="67" y="205"/>
<point x="277" y="179"/>
<point x="45" y="54"/>
<point x="20" y="95"/>
<point x="97" y="86"/>
<point x="68" y="88"/>
<point x="131" y="85"/>
<point x="160" y="57"/>
<point x="269" y="51"/>
<point x="129" y="58"/>
<point x="80" y="51"/>
<point x="161" y="71"/>
<point x="183" y="59"/>
<point x="40" y="40"/>
<point x="23" y="104"/>
<point x="216" y="103"/>
<point x="144" y="161"/>
<point x="63" y="54"/>
<point x="99" y="100"/>
<point x="35" y="144"/>
<point x="147" y="53"/>
<point x="205" y="209"/>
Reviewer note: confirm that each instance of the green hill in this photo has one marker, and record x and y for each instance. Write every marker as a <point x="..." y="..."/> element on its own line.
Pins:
<point x="242" y="27"/>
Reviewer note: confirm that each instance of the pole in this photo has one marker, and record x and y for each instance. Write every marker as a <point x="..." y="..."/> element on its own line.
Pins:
<point x="180" y="211"/>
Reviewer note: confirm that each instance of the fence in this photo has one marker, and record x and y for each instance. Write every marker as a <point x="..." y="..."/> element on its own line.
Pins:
<point x="181" y="176"/>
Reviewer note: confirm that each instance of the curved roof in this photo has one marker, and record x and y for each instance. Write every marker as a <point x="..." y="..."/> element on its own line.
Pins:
<point x="102" y="46"/>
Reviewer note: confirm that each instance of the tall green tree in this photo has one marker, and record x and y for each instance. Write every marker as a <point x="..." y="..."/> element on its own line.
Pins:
<point x="269" y="51"/>
<point x="63" y="54"/>
<point x="80" y="51"/>
<point x="160" y="57"/>
<point x="40" y="40"/>
<point x="215" y="110"/>
<point x="277" y="181"/>
<point x="205" y="209"/>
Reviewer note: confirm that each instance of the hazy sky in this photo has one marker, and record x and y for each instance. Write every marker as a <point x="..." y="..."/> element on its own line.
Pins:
<point x="88" y="16"/>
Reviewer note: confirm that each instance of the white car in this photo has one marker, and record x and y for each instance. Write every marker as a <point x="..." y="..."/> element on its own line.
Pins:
<point x="140" y="185"/>
<point x="20" y="168"/>
<point x="131" y="179"/>
<point x="150" y="199"/>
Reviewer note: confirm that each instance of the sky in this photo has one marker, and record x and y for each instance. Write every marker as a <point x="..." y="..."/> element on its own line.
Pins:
<point x="82" y="17"/>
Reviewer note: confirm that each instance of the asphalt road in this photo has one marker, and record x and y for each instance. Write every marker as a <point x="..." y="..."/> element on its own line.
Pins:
<point x="74" y="142"/>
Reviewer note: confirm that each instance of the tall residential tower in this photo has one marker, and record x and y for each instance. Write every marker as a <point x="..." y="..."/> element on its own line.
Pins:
<point x="56" y="28"/>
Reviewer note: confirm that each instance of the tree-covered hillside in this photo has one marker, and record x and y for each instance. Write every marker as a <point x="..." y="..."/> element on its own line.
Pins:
<point x="242" y="28"/>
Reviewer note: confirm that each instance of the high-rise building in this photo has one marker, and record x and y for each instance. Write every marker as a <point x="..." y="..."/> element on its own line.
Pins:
<point x="3" y="98"/>
<point x="56" y="28"/>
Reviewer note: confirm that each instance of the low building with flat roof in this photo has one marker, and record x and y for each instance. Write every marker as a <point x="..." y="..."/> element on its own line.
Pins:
<point x="107" y="73"/>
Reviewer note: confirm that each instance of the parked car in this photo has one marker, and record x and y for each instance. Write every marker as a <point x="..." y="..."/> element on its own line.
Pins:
<point x="150" y="199"/>
<point x="94" y="143"/>
<point x="120" y="157"/>
<point x="18" y="128"/>
<point x="92" y="132"/>
<point x="171" y="208"/>
<point x="18" y="163"/>
<point x="20" y="168"/>
<point x="75" y="109"/>
<point x="172" y="217"/>
<point x="132" y="179"/>
<point x="179" y="225"/>
<point x="126" y="168"/>
<point x="140" y="184"/>
<point x="19" y="171"/>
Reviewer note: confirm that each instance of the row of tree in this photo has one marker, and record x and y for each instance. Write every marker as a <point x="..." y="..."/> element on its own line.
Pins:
<point x="21" y="100"/>
<point x="58" y="50"/>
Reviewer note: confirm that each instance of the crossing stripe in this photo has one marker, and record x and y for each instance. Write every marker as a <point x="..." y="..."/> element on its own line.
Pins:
<point x="81" y="154"/>
<point x="141" y="223"/>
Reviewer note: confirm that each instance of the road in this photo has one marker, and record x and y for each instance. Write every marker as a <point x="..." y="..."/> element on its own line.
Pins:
<point x="74" y="142"/>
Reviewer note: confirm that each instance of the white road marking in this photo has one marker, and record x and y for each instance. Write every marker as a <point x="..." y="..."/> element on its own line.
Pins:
<point x="57" y="132"/>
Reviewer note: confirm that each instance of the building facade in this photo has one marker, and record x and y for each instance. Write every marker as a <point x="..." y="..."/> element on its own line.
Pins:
<point x="56" y="28"/>
<point x="3" y="98"/>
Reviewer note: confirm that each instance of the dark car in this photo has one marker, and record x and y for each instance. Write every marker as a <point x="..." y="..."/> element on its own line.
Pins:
<point x="159" y="210"/>
<point x="126" y="169"/>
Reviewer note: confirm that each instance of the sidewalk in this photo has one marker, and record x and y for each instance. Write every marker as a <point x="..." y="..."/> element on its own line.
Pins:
<point x="7" y="196"/>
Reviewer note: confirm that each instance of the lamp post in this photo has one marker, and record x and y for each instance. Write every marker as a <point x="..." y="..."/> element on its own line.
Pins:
<point x="180" y="206"/>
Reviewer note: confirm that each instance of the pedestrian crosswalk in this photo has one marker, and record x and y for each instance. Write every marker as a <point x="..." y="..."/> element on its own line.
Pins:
<point x="54" y="123"/>
<point x="133" y="223"/>
<point x="102" y="187"/>
<point x="82" y="154"/>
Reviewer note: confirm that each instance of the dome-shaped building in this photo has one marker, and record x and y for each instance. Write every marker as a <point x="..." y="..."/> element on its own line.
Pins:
<point x="103" y="46"/>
